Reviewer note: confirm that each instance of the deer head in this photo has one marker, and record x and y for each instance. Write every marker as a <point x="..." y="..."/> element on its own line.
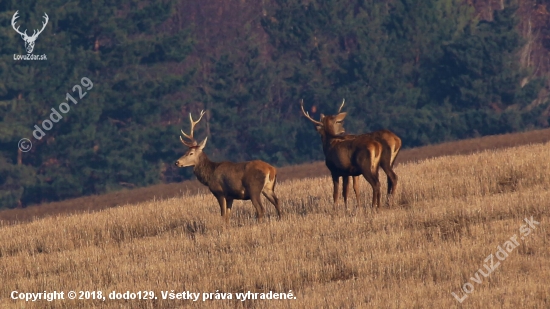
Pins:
<point x="193" y="154"/>
<point x="331" y="125"/>
<point x="29" y="40"/>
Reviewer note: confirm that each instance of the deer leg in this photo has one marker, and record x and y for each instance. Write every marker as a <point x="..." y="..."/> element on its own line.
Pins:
<point x="375" y="184"/>
<point x="356" y="188"/>
<point x="336" y="184"/>
<point x="396" y="151"/>
<point x="257" y="202"/>
<point x="392" y="180"/>
<point x="270" y="195"/>
<point x="229" y="205"/>
<point x="223" y="208"/>
<point x="345" y="189"/>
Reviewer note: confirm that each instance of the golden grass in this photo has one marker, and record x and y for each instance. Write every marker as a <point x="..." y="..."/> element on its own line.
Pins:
<point x="448" y="215"/>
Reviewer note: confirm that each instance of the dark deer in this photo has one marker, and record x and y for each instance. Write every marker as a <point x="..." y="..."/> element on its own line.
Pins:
<point x="29" y="40"/>
<point x="391" y="144"/>
<point x="345" y="157"/>
<point x="230" y="181"/>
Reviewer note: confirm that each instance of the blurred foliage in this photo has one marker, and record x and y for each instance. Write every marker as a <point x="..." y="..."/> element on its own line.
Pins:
<point x="430" y="71"/>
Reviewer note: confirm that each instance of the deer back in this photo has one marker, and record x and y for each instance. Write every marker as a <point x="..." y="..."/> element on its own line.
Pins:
<point x="240" y="180"/>
<point x="350" y="154"/>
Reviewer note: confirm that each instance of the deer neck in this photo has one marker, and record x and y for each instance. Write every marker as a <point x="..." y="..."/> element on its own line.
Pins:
<point x="204" y="169"/>
<point x="329" y="141"/>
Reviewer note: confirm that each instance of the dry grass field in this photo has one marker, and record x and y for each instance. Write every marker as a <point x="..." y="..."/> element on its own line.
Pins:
<point x="449" y="214"/>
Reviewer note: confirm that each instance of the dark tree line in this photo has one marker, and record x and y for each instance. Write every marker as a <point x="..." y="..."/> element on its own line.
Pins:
<point x="431" y="71"/>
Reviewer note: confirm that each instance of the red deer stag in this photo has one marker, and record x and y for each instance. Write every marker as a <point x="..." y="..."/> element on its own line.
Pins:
<point x="391" y="144"/>
<point x="345" y="156"/>
<point x="230" y="181"/>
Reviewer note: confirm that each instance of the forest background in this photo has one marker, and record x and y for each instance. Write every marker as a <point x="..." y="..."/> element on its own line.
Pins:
<point x="431" y="71"/>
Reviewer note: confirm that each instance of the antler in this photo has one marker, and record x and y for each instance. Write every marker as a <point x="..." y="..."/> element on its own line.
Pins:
<point x="307" y="114"/>
<point x="340" y="109"/>
<point x="190" y="136"/>
<point x="43" y="26"/>
<point x="34" y="34"/>
<point x="13" y="24"/>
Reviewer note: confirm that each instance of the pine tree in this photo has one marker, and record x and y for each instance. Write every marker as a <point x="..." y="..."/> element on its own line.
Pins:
<point x="102" y="142"/>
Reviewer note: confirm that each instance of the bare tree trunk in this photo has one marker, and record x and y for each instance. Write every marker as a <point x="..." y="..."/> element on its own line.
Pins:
<point x="19" y="157"/>
<point x="206" y="105"/>
<point x="525" y="56"/>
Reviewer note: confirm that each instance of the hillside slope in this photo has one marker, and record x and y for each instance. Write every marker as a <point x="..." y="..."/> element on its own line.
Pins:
<point x="314" y="169"/>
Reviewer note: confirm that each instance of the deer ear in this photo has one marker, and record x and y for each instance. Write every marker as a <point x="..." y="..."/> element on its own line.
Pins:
<point x="322" y="116"/>
<point x="341" y="116"/>
<point x="203" y="143"/>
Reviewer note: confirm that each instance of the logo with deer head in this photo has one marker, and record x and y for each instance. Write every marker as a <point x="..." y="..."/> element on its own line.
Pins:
<point x="29" y="40"/>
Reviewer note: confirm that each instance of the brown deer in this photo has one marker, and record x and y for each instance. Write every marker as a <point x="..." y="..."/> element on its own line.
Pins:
<point x="230" y="181"/>
<point x="345" y="157"/>
<point x="391" y="144"/>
